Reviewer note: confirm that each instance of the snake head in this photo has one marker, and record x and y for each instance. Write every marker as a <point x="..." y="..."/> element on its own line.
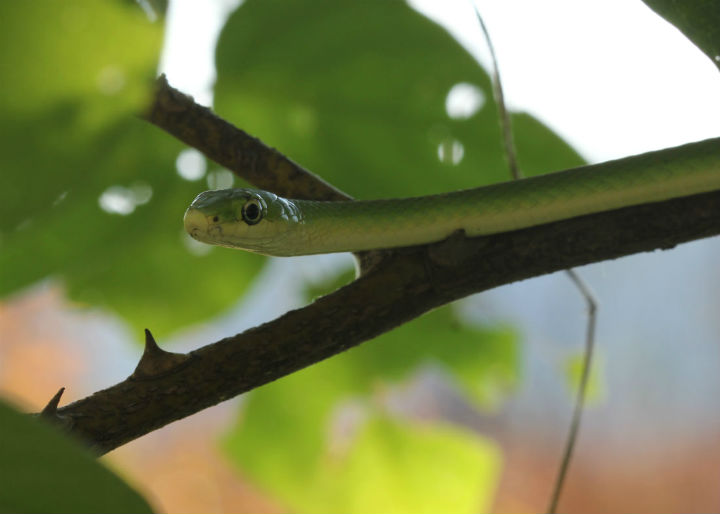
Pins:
<point x="238" y="218"/>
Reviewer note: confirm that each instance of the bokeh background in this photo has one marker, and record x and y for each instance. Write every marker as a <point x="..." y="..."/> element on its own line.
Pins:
<point x="463" y="410"/>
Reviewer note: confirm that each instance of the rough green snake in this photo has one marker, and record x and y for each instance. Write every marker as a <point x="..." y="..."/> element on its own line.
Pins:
<point x="259" y="221"/>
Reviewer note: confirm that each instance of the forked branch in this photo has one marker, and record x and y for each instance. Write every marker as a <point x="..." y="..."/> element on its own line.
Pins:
<point x="404" y="284"/>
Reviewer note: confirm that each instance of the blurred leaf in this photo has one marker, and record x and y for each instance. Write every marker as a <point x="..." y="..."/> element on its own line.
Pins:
<point x="699" y="20"/>
<point x="89" y="193"/>
<point x="416" y="468"/>
<point x="356" y="91"/>
<point x="54" y="52"/>
<point x="595" y="392"/>
<point x="43" y="471"/>
<point x="70" y="71"/>
<point x="282" y="447"/>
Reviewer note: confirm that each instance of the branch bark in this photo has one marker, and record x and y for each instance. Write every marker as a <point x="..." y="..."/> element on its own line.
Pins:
<point x="401" y="286"/>
<point x="245" y="155"/>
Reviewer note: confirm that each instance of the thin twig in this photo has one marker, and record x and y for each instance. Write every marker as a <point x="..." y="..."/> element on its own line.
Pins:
<point x="583" y="288"/>
<point x="505" y="124"/>
<point x="582" y="387"/>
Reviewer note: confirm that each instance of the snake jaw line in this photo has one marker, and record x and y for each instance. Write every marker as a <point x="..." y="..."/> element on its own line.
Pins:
<point x="196" y="223"/>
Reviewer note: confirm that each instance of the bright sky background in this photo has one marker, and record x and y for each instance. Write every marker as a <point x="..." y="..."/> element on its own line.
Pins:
<point x="610" y="77"/>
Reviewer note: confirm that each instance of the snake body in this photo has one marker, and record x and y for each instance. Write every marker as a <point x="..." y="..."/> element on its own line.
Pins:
<point x="260" y="221"/>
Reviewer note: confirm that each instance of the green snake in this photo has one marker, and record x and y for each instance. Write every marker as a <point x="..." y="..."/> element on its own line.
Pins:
<point x="262" y="222"/>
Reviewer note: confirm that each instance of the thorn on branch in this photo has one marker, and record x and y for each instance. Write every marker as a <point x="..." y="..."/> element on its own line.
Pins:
<point x="50" y="409"/>
<point x="50" y="412"/>
<point x="155" y="361"/>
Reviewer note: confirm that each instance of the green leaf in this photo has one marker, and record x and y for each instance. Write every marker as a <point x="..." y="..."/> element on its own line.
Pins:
<point x="100" y="53"/>
<point x="400" y="467"/>
<point x="68" y="140"/>
<point x="284" y="445"/>
<point x="356" y="92"/>
<point x="42" y="470"/>
<point x="699" y="20"/>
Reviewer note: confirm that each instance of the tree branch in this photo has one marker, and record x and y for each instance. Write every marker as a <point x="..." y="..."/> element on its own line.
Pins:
<point x="403" y="285"/>
<point x="246" y="156"/>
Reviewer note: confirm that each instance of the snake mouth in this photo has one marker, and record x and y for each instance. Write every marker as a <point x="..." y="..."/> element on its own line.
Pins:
<point x="196" y="224"/>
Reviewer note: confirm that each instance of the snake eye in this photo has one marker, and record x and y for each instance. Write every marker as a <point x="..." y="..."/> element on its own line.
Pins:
<point x="252" y="212"/>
